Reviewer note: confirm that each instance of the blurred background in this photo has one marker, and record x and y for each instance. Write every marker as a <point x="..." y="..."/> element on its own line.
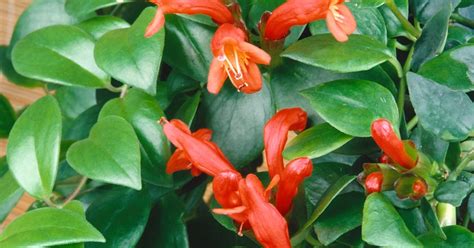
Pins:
<point x="19" y="97"/>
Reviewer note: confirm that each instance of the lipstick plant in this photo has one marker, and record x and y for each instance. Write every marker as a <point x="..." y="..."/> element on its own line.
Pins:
<point x="241" y="123"/>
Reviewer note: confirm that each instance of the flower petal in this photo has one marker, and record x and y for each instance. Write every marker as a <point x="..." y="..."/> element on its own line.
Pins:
<point x="294" y="174"/>
<point x="334" y="28"/>
<point x="255" y="54"/>
<point x="253" y="78"/>
<point x="203" y="134"/>
<point x="276" y="134"/>
<point x="178" y="162"/>
<point x="156" y="24"/>
<point x="349" y="24"/>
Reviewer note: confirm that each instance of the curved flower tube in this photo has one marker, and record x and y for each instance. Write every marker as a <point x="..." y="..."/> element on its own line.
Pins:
<point x="203" y="155"/>
<point x="213" y="8"/>
<point x="339" y="18"/>
<point x="275" y="136"/>
<point x="386" y="138"/>
<point x="374" y="182"/>
<point x="237" y="59"/>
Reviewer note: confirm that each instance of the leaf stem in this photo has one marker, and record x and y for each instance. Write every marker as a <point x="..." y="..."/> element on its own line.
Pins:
<point x="403" y="20"/>
<point x="403" y="83"/>
<point x="466" y="219"/>
<point x="76" y="192"/>
<point x="412" y="123"/>
<point x="50" y="203"/>
<point x="123" y="91"/>
<point x="462" y="20"/>
<point x="466" y="160"/>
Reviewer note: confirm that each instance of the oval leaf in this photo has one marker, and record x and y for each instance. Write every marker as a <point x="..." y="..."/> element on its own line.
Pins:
<point x="81" y="7"/>
<point x="447" y="113"/>
<point x="8" y="116"/>
<point x="359" y="53"/>
<point x="11" y="192"/>
<point x="33" y="147"/>
<point x="458" y="236"/>
<point x="48" y="227"/>
<point x="98" y="26"/>
<point x="130" y="57"/>
<point x="110" y="154"/>
<point x="62" y="55"/>
<point x="352" y="105"/>
<point x="316" y="142"/>
<point x="383" y="226"/>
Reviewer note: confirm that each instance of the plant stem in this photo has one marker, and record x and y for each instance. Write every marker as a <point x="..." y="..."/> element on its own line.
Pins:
<point x="50" y="203"/>
<point x="403" y="83"/>
<point x="463" y="20"/>
<point x="81" y="184"/>
<point x="123" y="91"/>
<point x="412" y="123"/>
<point x="404" y="21"/>
<point x="466" y="219"/>
<point x="401" y="47"/>
<point x="466" y="160"/>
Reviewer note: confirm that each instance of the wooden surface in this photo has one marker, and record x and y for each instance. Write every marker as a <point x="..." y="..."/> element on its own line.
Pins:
<point x="20" y="97"/>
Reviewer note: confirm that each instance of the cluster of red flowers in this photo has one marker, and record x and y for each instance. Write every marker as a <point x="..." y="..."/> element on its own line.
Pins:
<point x="234" y="57"/>
<point x="245" y="199"/>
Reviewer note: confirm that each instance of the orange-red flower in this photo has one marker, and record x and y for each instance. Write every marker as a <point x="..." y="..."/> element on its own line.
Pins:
<point x="194" y="151"/>
<point x="339" y="18"/>
<point x="213" y="8"/>
<point x="402" y="153"/>
<point x="275" y="137"/>
<point x="237" y="59"/>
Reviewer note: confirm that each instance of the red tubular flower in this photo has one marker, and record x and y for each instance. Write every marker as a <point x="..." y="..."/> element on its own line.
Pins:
<point x="203" y="155"/>
<point x="295" y="172"/>
<point x="339" y="18"/>
<point x="386" y="138"/>
<point x="213" y="8"/>
<point x="373" y="182"/>
<point x="237" y="59"/>
<point x="268" y="225"/>
<point x="275" y="136"/>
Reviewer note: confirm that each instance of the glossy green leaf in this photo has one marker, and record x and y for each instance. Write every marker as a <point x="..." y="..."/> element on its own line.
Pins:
<point x="11" y="192"/>
<point x="452" y="192"/>
<point x="394" y="27"/>
<point x="81" y="126"/>
<point x="236" y="130"/>
<point x="432" y="39"/>
<point x="171" y="228"/>
<point x="453" y="68"/>
<point x="6" y="68"/>
<point x="383" y="226"/>
<point x="187" y="47"/>
<point x="413" y="219"/>
<point x="340" y="217"/>
<point x="430" y="144"/>
<point x="470" y="207"/>
<point x="40" y="14"/>
<point x="73" y="101"/>
<point x="48" y="227"/>
<point x="359" y="53"/>
<point x="457" y="35"/>
<point x="457" y="237"/>
<point x="448" y="114"/>
<point x="352" y="105"/>
<point x="188" y="110"/>
<point x="368" y="3"/>
<point x="8" y="116"/>
<point x="110" y="154"/>
<point x="258" y="7"/>
<point x="316" y="142"/>
<point x="427" y="9"/>
<point x="431" y="219"/>
<point x="81" y="7"/>
<point x="121" y="216"/>
<point x="130" y="57"/>
<point x="143" y="112"/>
<point x="63" y="55"/>
<point x="33" y="147"/>
<point x="289" y="79"/>
<point x="100" y="25"/>
<point x="369" y="22"/>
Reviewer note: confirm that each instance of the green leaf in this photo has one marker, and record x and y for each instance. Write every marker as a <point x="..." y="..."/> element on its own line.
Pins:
<point x="368" y="3"/>
<point x="100" y="25"/>
<point x="457" y="237"/>
<point x="63" y="55"/>
<point x="383" y="226"/>
<point x="40" y="14"/>
<point x="289" y="79"/>
<point x="452" y="192"/>
<point x="453" y="68"/>
<point x="11" y="192"/>
<point x="340" y="217"/>
<point x="33" y="147"/>
<point x="359" y="53"/>
<point x="187" y="47"/>
<point x="110" y="154"/>
<point x="73" y="101"/>
<point x="352" y="105"/>
<point x="121" y="216"/>
<point x="188" y="110"/>
<point x="432" y="39"/>
<point x="431" y="219"/>
<point x="81" y="7"/>
<point x="8" y="116"/>
<point x="446" y="113"/>
<point x="130" y="57"/>
<point x="6" y="68"/>
<point x="369" y="22"/>
<point x="316" y="142"/>
<point x="258" y="7"/>
<point x="235" y="131"/>
<point x="394" y="27"/>
<point x="470" y="207"/>
<point x="457" y="35"/>
<point x="81" y="126"/>
<point x="427" y="9"/>
<point x="224" y="220"/>
<point x="48" y="227"/>
<point x="171" y="228"/>
<point x="143" y="112"/>
<point x="430" y="144"/>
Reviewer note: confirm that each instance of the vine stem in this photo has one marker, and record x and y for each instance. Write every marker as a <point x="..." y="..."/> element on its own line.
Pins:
<point x="412" y="123"/>
<point x="403" y="83"/>
<point x="403" y="20"/>
<point x="76" y="192"/>
<point x="123" y="91"/>
<point x="466" y="160"/>
<point x="462" y="20"/>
